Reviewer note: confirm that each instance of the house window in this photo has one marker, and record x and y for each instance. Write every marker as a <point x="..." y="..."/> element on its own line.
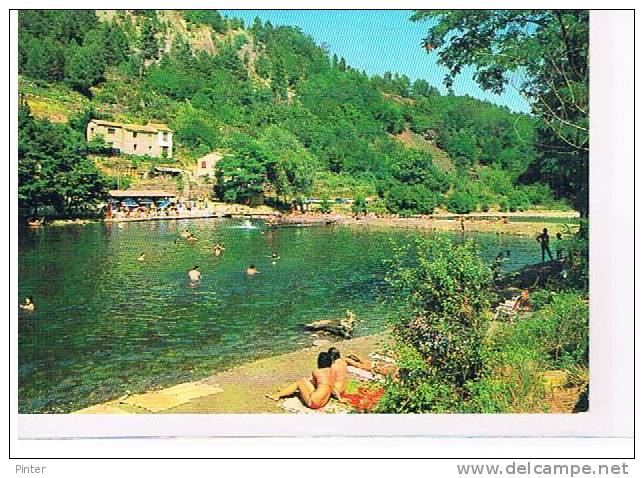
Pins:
<point x="134" y="133"/>
<point x="164" y="149"/>
<point x="111" y="130"/>
<point x="92" y="130"/>
<point x="149" y="147"/>
<point x="165" y="136"/>
<point x="203" y="165"/>
<point x="135" y="147"/>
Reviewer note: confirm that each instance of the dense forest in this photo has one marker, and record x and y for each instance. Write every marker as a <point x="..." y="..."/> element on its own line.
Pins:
<point x="294" y="120"/>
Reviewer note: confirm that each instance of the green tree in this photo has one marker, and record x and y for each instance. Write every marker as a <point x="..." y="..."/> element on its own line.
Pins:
<point x="549" y="49"/>
<point x="53" y="168"/>
<point x="290" y="167"/>
<point x="241" y="174"/>
<point x="148" y="43"/>
<point x="85" y="67"/>
<point x="41" y="58"/>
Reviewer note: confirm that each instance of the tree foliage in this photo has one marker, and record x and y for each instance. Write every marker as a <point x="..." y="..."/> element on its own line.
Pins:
<point x="53" y="168"/>
<point x="308" y="114"/>
<point x="544" y="55"/>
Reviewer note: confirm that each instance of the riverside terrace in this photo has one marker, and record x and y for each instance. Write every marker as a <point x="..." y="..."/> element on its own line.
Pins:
<point x="141" y="205"/>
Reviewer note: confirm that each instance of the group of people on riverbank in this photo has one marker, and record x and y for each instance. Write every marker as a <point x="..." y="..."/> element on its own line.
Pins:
<point x="544" y="240"/>
<point x="330" y="379"/>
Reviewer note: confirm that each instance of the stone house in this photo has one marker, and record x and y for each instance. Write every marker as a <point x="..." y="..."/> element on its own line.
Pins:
<point x="152" y="139"/>
<point x="206" y="165"/>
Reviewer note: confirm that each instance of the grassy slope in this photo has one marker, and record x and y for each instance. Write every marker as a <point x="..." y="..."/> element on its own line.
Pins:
<point x="413" y="140"/>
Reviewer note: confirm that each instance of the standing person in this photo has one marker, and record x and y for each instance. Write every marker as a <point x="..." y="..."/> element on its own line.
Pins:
<point x="544" y="240"/>
<point x="194" y="275"/>
<point x="316" y="391"/>
<point x="559" y="247"/>
<point x="218" y="249"/>
<point x="497" y="265"/>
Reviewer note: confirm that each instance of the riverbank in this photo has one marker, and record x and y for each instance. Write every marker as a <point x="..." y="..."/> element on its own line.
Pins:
<point x="527" y="223"/>
<point x="241" y="389"/>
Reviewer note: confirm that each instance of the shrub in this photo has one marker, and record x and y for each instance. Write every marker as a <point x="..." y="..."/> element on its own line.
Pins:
<point x="378" y="207"/>
<point x="419" y="390"/>
<point x="407" y="200"/>
<point x="359" y="205"/>
<point x="461" y="202"/>
<point x="444" y="287"/>
<point x="325" y="205"/>
<point x="538" y="193"/>
<point x="564" y="329"/>
<point x="518" y="201"/>
<point x="511" y="380"/>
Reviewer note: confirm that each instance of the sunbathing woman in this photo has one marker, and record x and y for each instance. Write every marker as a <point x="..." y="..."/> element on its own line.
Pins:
<point x="386" y="369"/>
<point x="340" y="372"/>
<point x="315" y="393"/>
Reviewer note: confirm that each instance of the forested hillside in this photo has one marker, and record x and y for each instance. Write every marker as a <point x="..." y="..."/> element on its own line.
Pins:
<point x="294" y="120"/>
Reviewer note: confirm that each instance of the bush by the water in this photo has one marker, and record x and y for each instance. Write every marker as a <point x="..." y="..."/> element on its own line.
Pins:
<point x="445" y="289"/>
<point x="407" y="200"/>
<point x="453" y="359"/>
<point x="461" y="203"/>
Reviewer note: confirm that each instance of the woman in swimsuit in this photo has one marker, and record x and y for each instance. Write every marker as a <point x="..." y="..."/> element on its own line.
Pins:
<point x="315" y="393"/>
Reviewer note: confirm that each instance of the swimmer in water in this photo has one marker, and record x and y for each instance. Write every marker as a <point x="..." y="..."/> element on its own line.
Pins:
<point x="28" y="305"/>
<point x="194" y="275"/>
<point x="141" y="258"/>
<point x="274" y="256"/>
<point x="252" y="270"/>
<point x="218" y="249"/>
<point x="186" y="234"/>
<point x="192" y="239"/>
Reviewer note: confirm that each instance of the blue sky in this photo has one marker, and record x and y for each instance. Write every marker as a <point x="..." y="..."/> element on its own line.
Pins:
<point x="377" y="41"/>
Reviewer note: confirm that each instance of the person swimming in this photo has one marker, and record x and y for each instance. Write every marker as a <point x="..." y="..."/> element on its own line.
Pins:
<point x="141" y="258"/>
<point x="192" y="239"/>
<point x="28" y="305"/>
<point x="186" y="234"/>
<point x="218" y="249"/>
<point x="251" y="270"/>
<point x="194" y="275"/>
<point x="316" y="391"/>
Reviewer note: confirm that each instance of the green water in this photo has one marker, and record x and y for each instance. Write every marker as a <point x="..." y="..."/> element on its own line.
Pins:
<point x="106" y="323"/>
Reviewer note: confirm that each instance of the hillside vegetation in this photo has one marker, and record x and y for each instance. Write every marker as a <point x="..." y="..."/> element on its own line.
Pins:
<point x="294" y="120"/>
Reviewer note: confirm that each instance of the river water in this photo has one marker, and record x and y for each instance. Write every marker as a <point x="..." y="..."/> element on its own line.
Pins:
<point x="106" y="323"/>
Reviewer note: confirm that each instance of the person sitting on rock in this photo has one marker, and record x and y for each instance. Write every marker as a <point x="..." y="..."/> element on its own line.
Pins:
<point x="316" y="391"/>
